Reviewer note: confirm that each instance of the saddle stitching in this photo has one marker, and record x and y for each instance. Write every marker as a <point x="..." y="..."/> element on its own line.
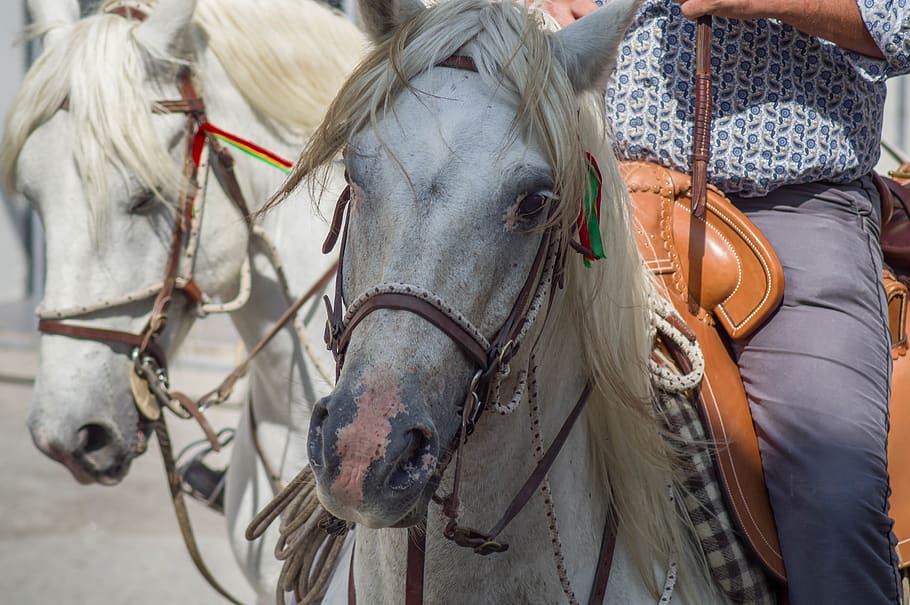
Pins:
<point x="706" y="383"/>
<point x="765" y="268"/>
<point x="666" y="191"/>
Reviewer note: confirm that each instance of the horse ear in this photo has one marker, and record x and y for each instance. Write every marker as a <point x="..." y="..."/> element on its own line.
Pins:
<point x="162" y="29"/>
<point x="587" y="48"/>
<point x="52" y="16"/>
<point x="380" y="17"/>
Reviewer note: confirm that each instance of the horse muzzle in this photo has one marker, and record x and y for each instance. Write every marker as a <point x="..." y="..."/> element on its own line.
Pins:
<point x="95" y="452"/>
<point x="373" y="458"/>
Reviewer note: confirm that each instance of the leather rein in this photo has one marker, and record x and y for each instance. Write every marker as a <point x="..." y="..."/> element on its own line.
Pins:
<point x="490" y="358"/>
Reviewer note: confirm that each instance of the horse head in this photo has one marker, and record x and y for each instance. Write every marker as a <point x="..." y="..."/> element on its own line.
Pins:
<point x="464" y="136"/>
<point x="90" y="147"/>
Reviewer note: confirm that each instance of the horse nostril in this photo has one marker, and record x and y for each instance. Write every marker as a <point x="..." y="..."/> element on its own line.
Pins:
<point x="100" y="450"/>
<point x="94" y="437"/>
<point x="315" y="439"/>
<point x="417" y="460"/>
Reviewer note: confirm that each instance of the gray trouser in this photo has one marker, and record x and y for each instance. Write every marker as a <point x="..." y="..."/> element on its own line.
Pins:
<point x="818" y="377"/>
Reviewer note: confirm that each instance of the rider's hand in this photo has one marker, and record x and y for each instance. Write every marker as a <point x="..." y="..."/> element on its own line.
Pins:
<point x="839" y="21"/>
<point x="733" y="9"/>
<point x="567" y="11"/>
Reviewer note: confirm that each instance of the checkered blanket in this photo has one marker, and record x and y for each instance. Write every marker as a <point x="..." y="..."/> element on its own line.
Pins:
<point x="732" y="564"/>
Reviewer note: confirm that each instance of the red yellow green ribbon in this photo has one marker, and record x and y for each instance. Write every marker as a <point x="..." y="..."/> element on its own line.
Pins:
<point x="247" y="147"/>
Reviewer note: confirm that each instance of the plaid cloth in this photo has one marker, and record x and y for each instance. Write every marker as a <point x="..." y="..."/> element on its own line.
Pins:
<point x="731" y="563"/>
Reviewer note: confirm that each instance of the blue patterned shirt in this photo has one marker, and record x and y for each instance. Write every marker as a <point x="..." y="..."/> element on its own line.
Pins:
<point x="789" y="108"/>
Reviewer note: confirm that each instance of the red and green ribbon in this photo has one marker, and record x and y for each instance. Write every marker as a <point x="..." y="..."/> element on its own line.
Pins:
<point x="247" y="147"/>
<point x="589" y="218"/>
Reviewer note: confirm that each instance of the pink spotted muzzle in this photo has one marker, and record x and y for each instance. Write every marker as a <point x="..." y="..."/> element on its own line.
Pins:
<point x="374" y="459"/>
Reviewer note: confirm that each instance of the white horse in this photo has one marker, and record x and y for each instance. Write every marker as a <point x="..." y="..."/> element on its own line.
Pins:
<point x="103" y="170"/>
<point x="465" y="136"/>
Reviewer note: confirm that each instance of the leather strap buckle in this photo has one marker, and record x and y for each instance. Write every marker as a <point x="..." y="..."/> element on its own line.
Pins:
<point x="479" y="542"/>
<point x="156" y="377"/>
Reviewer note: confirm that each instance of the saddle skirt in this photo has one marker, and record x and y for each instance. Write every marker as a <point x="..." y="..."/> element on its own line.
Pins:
<point x="724" y="280"/>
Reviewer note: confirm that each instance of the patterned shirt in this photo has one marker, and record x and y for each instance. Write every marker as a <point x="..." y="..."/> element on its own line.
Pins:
<point x="789" y="108"/>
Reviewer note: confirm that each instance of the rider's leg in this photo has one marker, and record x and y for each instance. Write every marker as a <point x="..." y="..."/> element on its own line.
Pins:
<point x="818" y="378"/>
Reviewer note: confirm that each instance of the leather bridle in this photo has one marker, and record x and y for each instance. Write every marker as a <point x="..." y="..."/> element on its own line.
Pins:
<point x="489" y="357"/>
<point x="149" y="358"/>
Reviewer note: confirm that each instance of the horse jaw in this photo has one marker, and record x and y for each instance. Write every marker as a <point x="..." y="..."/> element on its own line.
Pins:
<point x="52" y="17"/>
<point x="380" y="18"/>
<point x="587" y="48"/>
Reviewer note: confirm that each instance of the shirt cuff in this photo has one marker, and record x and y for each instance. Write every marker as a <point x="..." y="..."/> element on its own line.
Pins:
<point x="888" y="23"/>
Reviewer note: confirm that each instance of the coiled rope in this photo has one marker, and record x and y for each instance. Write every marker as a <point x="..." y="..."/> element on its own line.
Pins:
<point x="310" y="539"/>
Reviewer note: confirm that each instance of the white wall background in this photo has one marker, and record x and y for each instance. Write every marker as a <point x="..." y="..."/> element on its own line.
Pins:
<point x="896" y="131"/>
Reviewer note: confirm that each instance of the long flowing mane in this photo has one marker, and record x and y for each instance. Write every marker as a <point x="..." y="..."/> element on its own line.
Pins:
<point x="287" y="57"/>
<point x="609" y="303"/>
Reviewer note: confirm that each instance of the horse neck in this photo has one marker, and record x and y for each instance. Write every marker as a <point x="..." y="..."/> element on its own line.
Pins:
<point x="499" y="457"/>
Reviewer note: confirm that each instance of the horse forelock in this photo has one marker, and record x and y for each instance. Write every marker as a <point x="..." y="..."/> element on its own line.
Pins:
<point x="101" y="72"/>
<point x="511" y="46"/>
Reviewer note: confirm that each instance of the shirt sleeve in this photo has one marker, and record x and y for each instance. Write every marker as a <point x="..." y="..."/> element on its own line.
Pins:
<point x="888" y="21"/>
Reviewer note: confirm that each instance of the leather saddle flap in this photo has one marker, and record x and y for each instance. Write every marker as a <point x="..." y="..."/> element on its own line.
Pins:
<point x="721" y="264"/>
<point x="895" y="234"/>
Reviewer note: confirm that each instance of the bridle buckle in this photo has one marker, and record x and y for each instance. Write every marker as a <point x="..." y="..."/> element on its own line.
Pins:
<point x="479" y="542"/>
<point x="156" y="377"/>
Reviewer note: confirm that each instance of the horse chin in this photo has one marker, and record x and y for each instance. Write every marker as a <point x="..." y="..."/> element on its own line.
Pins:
<point x="108" y="477"/>
<point x="417" y="514"/>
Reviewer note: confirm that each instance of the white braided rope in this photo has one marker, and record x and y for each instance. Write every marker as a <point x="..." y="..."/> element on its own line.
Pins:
<point x="669" y="585"/>
<point x="44" y="312"/>
<point x="188" y="260"/>
<point x="521" y="388"/>
<point x="244" y="289"/>
<point x="673" y="569"/>
<point x="271" y="250"/>
<point x="424" y="295"/>
<point x="664" y="377"/>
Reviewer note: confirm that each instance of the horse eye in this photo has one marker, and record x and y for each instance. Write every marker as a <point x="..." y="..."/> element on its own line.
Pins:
<point x="142" y="202"/>
<point x="532" y="203"/>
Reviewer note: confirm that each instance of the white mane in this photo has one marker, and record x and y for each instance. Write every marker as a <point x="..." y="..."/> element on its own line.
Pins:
<point x="287" y="57"/>
<point x="610" y="302"/>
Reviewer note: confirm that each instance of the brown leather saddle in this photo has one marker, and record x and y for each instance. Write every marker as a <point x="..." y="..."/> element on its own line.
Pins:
<point x="724" y="279"/>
